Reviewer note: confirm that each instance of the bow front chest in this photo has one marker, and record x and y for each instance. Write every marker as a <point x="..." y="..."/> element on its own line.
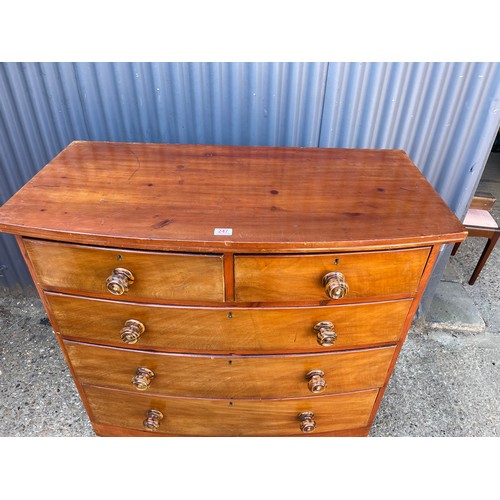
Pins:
<point x="200" y="290"/>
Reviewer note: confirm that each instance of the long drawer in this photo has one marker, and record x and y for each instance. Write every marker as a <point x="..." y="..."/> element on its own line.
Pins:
<point x="222" y="417"/>
<point x="235" y="377"/>
<point x="155" y="275"/>
<point x="282" y="278"/>
<point x="237" y="330"/>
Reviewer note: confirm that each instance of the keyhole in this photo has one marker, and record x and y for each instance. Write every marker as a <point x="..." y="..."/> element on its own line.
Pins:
<point x="336" y="261"/>
<point x="119" y="258"/>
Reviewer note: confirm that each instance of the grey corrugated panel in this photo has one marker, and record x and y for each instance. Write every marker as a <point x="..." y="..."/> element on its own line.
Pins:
<point x="445" y="115"/>
<point x="13" y="271"/>
<point x="27" y="129"/>
<point x="238" y="103"/>
<point x="473" y="136"/>
<point x="242" y="103"/>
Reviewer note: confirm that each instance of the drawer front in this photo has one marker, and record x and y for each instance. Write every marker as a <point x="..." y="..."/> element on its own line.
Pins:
<point x="294" y="278"/>
<point x="166" y="276"/>
<point x="237" y="330"/>
<point x="222" y="417"/>
<point x="230" y="377"/>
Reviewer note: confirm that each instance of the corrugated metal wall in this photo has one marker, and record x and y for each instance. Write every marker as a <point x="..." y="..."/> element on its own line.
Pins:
<point x="444" y="115"/>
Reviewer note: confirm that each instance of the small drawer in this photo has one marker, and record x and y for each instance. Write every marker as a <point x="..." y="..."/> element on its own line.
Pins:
<point x="222" y="417"/>
<point x="228" y="330"/>
<point x="230" y="377"/>
<point x="360" y="275"/>
<point x="96" y="270"/>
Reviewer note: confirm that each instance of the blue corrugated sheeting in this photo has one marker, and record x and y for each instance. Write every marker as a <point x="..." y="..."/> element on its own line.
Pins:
<point x="444" y="115"/>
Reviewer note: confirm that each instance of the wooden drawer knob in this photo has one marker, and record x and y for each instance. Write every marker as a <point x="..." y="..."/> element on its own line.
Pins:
<point x="153" y="419"/>
<point x="143" y="378"/>
<point x="307" y="423"/>
<point x="316" y="381"/>
<point x="325" y="333"/>
<point x="131" y="331"/>
<point x="119" y="281"/>
<point x="335" y="285"/>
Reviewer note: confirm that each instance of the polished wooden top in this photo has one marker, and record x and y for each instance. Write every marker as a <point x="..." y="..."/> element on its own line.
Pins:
<point x="171" y="196"/>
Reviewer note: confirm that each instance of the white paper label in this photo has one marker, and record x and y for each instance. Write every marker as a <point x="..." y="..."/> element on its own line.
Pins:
<point x="223" y="231"/>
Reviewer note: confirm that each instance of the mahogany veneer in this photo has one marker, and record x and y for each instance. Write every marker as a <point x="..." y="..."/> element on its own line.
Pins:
<point x="200" y="290"/>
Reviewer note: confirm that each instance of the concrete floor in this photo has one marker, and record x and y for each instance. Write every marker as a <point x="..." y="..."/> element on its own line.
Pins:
<point x="446" y="381"/>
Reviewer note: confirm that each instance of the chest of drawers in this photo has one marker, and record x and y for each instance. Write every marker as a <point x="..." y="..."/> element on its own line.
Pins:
<point x="201" y="290"/>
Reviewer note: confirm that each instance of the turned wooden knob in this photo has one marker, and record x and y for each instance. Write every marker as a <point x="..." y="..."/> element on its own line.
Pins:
<point x="119" y="281"/>
<point x="131" y="331"/>
<point x="325" y="333"/>
<point x="307" y="423"/>
<point x="143" y="378"/>
<point x="316" y="381"/>
<point x="153" y="419"/>
<point x="335" y="285"/>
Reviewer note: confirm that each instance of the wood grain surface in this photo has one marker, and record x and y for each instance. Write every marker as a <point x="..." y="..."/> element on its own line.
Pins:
<point x="230" y="377"/>
<point x="287" y="278"/>
<point x="106" y="430"/>
<point x="222" y="417"/>
<point x="157" y="275"/>
<point x="171" y="196"/>
<point x="227" y="330"/>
